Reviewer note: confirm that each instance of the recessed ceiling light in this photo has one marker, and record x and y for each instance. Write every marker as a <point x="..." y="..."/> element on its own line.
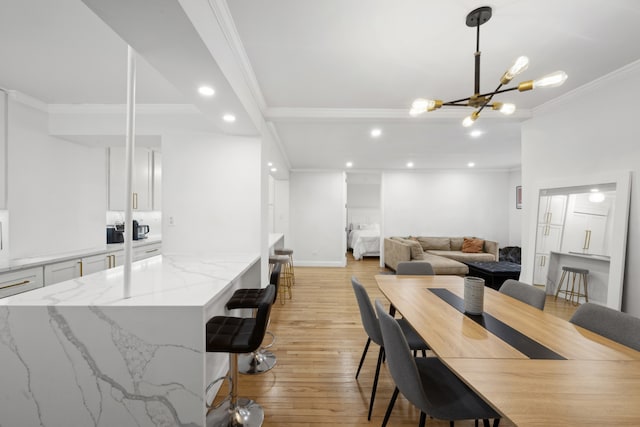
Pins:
<point x="376" y="132"/>
<point x="230" y="118"/>
<point x="349" y="164"/>
<point x="206" y="91"/>
<point x="475" y="133"/>
<point x="274" y="169"/>
<point x="409" y="164"/>
<point x="270" y="164"/>
<point x="471" y="164"/>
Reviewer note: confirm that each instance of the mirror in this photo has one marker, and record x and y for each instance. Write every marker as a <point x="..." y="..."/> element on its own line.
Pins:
<point x="583" y="226"/>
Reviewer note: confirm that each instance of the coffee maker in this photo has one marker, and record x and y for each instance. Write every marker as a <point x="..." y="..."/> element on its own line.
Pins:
<point x="115" y="233"/>
<point x="139" y="231"/>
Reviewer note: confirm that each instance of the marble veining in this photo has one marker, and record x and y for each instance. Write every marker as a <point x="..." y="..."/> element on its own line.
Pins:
<point x="160" y="280"/>
<point x="77" y="354"/>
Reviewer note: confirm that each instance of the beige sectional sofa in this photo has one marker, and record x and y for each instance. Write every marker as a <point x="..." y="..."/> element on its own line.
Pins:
<point x="445" y="254"/>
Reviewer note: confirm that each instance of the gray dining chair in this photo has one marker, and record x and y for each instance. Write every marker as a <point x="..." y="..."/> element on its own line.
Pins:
<point x="526" y="293"/>
<point x="415" y="268"/>
<point x="426" y="382"/>
<point x="613" y="324"/>
<point x="372" y="328"/>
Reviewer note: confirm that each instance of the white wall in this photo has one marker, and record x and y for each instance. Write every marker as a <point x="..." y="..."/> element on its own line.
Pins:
<point x="363" y="195"/>
<point x="593" y="131"/>
<point x="211" y="190"/>
<point x="447" y="203"/>
<point x="317" y="218"/>
<point x="281" y="208"/>
<point x="57" y="189"/>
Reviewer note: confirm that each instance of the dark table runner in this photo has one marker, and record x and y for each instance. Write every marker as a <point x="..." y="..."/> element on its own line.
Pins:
<point x="516" y="339"/>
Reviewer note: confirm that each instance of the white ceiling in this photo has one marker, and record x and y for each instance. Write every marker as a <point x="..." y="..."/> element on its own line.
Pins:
<point x="324" y="73"/>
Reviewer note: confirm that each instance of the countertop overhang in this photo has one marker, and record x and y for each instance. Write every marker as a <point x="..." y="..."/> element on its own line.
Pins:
<point x="163" y="280"/>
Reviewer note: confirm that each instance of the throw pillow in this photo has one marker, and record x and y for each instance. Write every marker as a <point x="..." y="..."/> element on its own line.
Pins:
<point x="416" y="249"/>
<point x="472" y="246"/>
<point x="456" y="243"/>
<point x="435" y="243"/>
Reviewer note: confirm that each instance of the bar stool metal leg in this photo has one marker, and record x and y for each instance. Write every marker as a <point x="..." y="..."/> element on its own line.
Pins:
<point x="259" y="361"/>
<point x="236" y="412"/>
<point x="574" y="294"/>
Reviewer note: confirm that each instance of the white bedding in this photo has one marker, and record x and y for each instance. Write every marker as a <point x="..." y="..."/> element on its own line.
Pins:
<point x="364" y="243"/>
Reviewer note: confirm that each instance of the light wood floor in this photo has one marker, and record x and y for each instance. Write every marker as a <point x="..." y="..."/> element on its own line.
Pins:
<point x="319" y="343"/>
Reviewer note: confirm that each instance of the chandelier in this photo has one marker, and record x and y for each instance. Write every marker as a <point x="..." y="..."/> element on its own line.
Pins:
<point x="480" y="100"/>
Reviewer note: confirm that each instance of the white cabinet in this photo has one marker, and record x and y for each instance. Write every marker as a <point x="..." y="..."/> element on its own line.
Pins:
<point x="551" y="213"/>
<point x="115" y="259"/>
<point x="552" y="209"/>
<point x="15" y="282"/>
<point x="146" y="251"/>
<point x="61" y="271"/>
<point x="541" y="269"/>
<point x="585" y="233"/>
<point x="93" y="264"/>
<point x="142" y="180"/>
<point x="548" y="238"/>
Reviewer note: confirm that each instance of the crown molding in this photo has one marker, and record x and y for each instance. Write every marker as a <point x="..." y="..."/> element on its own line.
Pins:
<point x="284" y="114"/>
<point x="600" y="82"/>
<point x="274" y="134"/>
<point x="222" y="14"/>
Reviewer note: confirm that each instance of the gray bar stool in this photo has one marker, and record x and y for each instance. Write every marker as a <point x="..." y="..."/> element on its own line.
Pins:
<point x="285" y="279"/>
<point x="572" y="293"/>
<point x="288" y="268"/>
<point x="233" y="335"/>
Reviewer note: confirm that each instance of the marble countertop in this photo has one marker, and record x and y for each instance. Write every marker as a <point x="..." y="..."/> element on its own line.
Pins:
<point x="163" y="280"/>
<point x="586" y="256"/>
<point x="20" y="263"/>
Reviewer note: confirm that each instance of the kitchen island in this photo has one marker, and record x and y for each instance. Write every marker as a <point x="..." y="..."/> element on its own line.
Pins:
<point x="77" y="353"/>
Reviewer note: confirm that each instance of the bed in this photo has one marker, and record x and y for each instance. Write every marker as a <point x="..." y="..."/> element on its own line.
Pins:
<point x="364" y="240"/>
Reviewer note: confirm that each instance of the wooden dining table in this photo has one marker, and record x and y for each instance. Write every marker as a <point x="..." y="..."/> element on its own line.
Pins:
<point x="532" y="367"/>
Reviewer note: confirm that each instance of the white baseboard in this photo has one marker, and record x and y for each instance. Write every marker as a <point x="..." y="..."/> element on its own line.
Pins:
<point x="302" y="263"/>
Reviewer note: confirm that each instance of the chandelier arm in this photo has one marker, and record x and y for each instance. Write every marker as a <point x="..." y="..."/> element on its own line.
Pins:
<point x="495" y="92"/>
<point x="457" y="101"/>
<point x="489" y="98"/>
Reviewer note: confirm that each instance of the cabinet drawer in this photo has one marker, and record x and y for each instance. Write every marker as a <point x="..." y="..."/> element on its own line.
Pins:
<point x="62" y="271"/>
<point x="19" y="281"/>
<point x="146" y="251"/>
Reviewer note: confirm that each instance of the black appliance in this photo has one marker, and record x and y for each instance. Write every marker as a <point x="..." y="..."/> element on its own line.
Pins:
<point x="115" y="234"/>
<point x="139" y="231"/>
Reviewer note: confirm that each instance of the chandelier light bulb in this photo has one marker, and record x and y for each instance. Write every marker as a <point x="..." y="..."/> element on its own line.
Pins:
<point x="554" y="79"/>
<point x="468" y="121"/>
<point x="421" y="105"/>
<point x="520" y="64"/>
<point x="507" y="108"/>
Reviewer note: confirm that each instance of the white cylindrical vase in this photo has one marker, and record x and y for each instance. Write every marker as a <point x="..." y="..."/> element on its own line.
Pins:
<point x="473" y="295"/>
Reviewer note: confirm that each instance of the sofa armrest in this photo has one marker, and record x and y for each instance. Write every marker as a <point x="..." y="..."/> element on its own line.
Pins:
<point x="394" y="252"/>
<point x="491" y="247"/>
